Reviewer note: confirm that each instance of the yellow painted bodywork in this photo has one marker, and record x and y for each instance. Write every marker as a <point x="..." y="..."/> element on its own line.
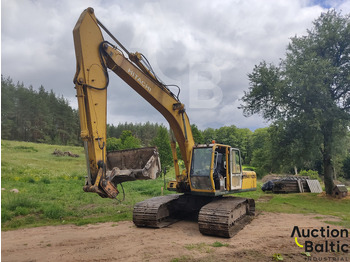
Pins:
<point x="248" y="180"/>
<point x="248" y="177"/>
<point x="90" y="83"/>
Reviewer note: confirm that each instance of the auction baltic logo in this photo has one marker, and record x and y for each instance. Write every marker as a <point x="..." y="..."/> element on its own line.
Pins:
<point x="322" y="235"/>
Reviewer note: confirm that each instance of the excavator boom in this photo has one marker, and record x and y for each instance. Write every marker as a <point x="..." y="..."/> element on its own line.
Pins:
<point x="94" y="57"/>
<point x="157" y="94"/>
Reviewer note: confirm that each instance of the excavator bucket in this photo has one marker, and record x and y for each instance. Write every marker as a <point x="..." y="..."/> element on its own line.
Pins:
<point x="133" y="164"/>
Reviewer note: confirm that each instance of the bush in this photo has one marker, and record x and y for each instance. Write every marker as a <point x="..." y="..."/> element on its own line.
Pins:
<point x="311" y="174"/>
<point x="126" y="141"/>
<point x="113" y="144"/>
<point x="260" y="172"/>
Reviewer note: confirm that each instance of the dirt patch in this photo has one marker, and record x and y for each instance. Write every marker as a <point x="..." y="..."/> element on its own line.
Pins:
<point x="57" y="152"/>
<point x="269" y="233"/>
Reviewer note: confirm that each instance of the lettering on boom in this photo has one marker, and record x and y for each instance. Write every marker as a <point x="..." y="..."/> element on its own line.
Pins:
<point x="139" y="80"/>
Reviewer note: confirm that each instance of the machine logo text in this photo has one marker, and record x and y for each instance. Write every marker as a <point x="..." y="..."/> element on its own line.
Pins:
<point x="139" y="80"/>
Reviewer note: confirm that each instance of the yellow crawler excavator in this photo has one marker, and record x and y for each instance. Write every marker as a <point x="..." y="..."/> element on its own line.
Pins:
<point x="211" y="171"/>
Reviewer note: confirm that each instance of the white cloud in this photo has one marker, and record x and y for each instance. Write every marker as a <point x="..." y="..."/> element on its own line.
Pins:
<point x="176" y="37"/>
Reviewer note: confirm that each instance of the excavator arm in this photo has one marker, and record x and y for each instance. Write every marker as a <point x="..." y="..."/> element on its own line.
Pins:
<point x="94" y="57"/>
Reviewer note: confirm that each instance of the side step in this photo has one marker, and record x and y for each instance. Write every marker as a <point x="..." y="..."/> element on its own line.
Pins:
<point x="226" y="216"/>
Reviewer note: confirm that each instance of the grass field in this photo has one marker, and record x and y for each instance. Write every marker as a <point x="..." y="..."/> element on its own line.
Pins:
<point x="50" y="191"/>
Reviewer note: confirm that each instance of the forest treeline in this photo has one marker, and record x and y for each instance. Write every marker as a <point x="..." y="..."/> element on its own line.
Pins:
<point x="36" y="116"/>
<point x="43" y="117"/>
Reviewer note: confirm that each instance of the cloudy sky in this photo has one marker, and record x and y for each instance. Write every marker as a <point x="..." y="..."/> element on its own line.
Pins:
<point x="206" y="47"/>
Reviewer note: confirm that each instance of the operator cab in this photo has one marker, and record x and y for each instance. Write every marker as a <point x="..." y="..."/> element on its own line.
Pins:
<point x="215" y="169"/>
<point x="202" y="161"/>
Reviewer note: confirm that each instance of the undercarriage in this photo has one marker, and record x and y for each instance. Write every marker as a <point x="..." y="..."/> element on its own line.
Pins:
<point x="217" y="216"/>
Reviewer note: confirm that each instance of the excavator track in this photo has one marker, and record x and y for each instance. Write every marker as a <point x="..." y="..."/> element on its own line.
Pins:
<point x="223" y="216"/>
<point x="155" y="212"/>
<point x="226" y="216"/>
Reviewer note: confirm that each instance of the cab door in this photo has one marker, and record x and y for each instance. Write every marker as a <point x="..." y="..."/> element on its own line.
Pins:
<point x="235" y="169"/>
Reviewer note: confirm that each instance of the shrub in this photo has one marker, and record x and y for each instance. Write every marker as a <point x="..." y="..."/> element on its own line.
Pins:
<point x="311" y="174"/>
<point x="128" y="141"/>
<point x="113" y="144"/>
<point x="260" y="172"/>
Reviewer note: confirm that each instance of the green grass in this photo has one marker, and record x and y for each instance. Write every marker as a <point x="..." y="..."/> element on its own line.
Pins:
<point x="50" y="192"/>
<point x="303" y="203"/>
<point x="50" y="189"/>
<point x="219" y="244"/>
<point x="182" y="259"/>
<point x="201" y="247"/>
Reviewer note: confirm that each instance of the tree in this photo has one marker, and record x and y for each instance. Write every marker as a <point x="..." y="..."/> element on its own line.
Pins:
<point x="346" y="166"/>
<point x="261" y="155"/>
<point x="36" y="116"/>
<point x="292" y="146"/>
<point x="244" y="143"/>
<point x="128" y="141"/>
<point x="145" y="132"/>
<point x="209" y="135"/>
<point x="197" y="134"/>
<point x="311" y="85"/>
<point x="113" y="144"/>
<point x="162" y="142"/>
<point x="227" y="135"/>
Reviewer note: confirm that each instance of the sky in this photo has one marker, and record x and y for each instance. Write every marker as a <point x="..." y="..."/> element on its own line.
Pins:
<point x="206" y="47"/>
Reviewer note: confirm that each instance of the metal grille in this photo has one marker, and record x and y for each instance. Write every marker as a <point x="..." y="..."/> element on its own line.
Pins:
<point x="314" y="186"/>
